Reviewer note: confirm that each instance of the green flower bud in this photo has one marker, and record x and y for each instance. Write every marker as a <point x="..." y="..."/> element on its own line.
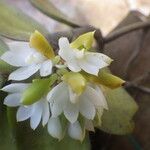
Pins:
<point x="37" y="90"/>
<point x="105" y="78"/>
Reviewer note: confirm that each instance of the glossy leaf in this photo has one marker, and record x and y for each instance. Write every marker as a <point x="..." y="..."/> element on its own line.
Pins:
<point x="84" y="41"/>
<point x="119" y="118"/>
<point x="50" y="10"/>
<point x="4" y="67"/>
<point x="27" y="139"/>
<point x="15" y="24"/>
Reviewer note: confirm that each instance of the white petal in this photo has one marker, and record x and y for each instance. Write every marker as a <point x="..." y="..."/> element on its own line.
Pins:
<point x="73" y="96"/>
<point x="98" y="59"/>
<point x="35" y="58"/>
<point x="88" y="67"/>
<point x="37" y="115"/>
<point x="12" y="100"/>
<point x="24" y="113"/>
<point x="68" y="54"/>
<point x="71" y="111"/>
<point x="64" y="49"/>
<point x="46" y="68"/>
<point x="57" y="98"/>
<point x="24" y="72"/>
<point x="103" y="57"/>
<point x="56" y="108"/>
<point x="63" y="43"/>
<point x="97" y="97"/>
<point x="15" y="87"/>
<point x="75" y="131"/>
<point x="87" y="108"/>
<point x="101" y="97"/>
<point x="20" y="47"/>
<point x="73" y="66"/>
<point x="17" y="54"/>
<point x="13" y="59"/>
<point x="46" y="113"/>
<point x="59" y="91"/>
<point x="54" y="128"/>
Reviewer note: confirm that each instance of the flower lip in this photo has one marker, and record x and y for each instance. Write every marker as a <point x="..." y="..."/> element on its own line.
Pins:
<point x="79" y="53"/>
<point x="35" y="57"/>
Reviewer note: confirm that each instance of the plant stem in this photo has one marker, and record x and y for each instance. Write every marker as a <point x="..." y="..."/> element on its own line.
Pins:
<point x="124" y="30"/>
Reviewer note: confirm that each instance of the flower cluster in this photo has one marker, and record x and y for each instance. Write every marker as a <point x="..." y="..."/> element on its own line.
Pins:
<point x="64" y="91"/>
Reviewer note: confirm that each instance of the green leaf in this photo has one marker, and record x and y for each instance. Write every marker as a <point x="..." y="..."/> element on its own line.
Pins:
<point x="15" y="24"/>
<point x="37" y="89"/>
<point x="84" y="41"/>
<point x="4" y="67"/>
<point x="119" y="118"/>
<point x="27" y="139"/>
<point x="6" y="140"/>
<point x="50" y="10"/>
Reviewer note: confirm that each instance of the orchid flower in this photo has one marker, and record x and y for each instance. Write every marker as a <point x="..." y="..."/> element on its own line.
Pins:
<point x="74" y="97"/>
<point x="30" y="57"/>
<point x="37" y="112"/>
<point x="86" y="104"/>
<point x="81" y="59"/>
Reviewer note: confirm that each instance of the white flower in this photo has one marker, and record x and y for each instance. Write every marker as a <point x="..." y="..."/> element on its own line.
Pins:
<point x="36" y="112"/>
<point x="74" y="129"/>
<point x="76" y="59"/>
<point x="61" y="99"/>
<point x="28" y="59"/>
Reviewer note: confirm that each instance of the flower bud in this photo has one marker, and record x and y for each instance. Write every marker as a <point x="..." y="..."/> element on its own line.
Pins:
<point x="37" y="90"/>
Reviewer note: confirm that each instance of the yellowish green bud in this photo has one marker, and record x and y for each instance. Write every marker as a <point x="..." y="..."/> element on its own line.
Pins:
<point x="76" y="81"/>
<point x="105" y="78"/>
<point x="40" y="43"/>
<point x="84" y="41"/>
<point x="37" y="90"/>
